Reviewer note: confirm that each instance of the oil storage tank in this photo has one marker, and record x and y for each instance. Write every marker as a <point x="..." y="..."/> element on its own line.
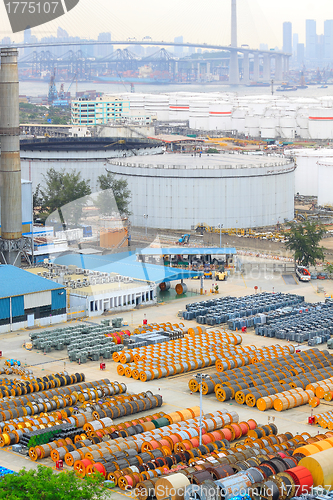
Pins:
<point x="178" y="191"/>
<point x="325" y="182"/>
<point x="220" y="114"/>
<point x="321" y="123"/>
<point x="306" y="174"/>
<point x="88" y="156"/>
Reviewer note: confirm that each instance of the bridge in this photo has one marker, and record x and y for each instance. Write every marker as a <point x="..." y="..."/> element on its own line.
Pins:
<point x="237" y="59"/>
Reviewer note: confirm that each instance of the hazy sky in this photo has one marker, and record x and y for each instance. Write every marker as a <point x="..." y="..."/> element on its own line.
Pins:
<point x="259" y="21"/>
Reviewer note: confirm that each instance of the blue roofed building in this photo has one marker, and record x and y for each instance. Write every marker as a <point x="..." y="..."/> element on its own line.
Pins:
<point x="27" y="300"/>
<point x="117" y="282"/>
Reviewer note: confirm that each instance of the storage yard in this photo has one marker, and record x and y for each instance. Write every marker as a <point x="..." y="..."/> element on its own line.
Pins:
<point x="224" y="394"/>
<point x="130" y="409"/>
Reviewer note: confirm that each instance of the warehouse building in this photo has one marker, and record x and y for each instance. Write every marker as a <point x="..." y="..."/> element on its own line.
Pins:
<point x="28" y="301"/>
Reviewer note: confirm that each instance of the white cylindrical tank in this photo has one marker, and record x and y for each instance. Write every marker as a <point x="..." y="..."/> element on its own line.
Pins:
<point x="302" y="121"/>
<point x="238" y="119"/>
<point x="321" y="123"/>
<point x="199" y="114"/>
<point x="288" y="127"/>
<point x="306" y="173"/>
<point x="268" y="127"/>
<point x="220" y="116"/>
<point x="325" y="182"/>
<point x="179" y="107"/>
<point x="177" y="191"/>
<point x="90" y="159"/>
<point x="252" y="125"/>
<point x="158" y="105"/>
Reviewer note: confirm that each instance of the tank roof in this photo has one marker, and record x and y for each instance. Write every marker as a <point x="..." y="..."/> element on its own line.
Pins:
<point x="312" y="152"/>
<point x="205" y="161"/>
<point x="86" y="144"/>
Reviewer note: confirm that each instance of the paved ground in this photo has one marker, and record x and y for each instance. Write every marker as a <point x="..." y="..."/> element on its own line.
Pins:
<point x="175" y="391"/>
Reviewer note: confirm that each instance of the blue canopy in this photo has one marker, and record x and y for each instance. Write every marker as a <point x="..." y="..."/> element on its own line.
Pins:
<point x="126" y="264"/>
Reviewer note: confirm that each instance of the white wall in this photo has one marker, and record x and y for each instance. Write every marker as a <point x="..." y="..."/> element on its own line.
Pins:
<point x="53" y="320"/>
<point x="325" y="183"/>
<point x="306" y="173"/>
<point x="95" y="305"/>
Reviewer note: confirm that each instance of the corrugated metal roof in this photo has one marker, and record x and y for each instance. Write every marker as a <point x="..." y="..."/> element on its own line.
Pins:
<point x="126" y="264"/>
<point x="187" y="251"/>
<point x="15" y="281"/>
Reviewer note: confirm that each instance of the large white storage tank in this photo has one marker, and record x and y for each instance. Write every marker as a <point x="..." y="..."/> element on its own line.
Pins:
<point x="87" y="157"/>
<point x="325" y="182"/>
<point x="268" y="127"/>
<point x="179" y="107"/>
<point x="288" y="127"/>
<point x="302" y="122"/>
<point x="178" y="191"/>
<point x="238" y="119"/>
<point x="157" y="105"/>
<point x="199" y="114"/>
<point x="306" y="173"/>
<point x="321" y="123"/>
<point x="252" y="125"/>
<point x="220" y="115"/>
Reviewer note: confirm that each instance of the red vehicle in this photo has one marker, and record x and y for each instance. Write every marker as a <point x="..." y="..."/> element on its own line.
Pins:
<point x="303" y="274"/>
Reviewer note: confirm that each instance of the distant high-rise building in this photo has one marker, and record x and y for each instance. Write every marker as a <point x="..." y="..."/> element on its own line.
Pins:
<point x="61" y="33"/>
<point x="328" y="41"/>
<point x="287" y="37"/>
<point x="311" y="40"/>
<point x="295" y="43"/>
<point x="178" y="50"/>
<point x="300" y="54"/>
<point x="104" y="50"/>
<point x="27" y="39"/>
<point x="263" y="46"/>
<point x="320" y="49"/>
<point x="27" y="35"/>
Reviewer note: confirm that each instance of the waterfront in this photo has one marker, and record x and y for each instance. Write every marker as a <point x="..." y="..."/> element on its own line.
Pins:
<point x="41" y="88"/>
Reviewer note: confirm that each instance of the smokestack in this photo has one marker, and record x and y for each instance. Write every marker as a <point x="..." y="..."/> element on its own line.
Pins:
<point x="233" y="65"/>
<point x="11" y="244"/>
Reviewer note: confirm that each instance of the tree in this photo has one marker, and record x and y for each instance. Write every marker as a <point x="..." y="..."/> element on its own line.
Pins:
<point x="39" y="213"/>
<point x="58" y="120"/>
<point x="61" y="189"/>
<point x="303" y="240"/>
<point x="122" y="195"/>
<point x="44" y="484"/>
<point x="329" y="269"/>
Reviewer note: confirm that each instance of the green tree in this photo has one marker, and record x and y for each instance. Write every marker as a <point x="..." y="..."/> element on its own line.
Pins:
<point x="44" y="484"/>
<point x="303" y="240"/>
<point x="329" y="268"/>
<point x="62" y="188"/>
<point x="122" y="195"/>
<point x="40" y="214"/>
<point x="58" y="120"/>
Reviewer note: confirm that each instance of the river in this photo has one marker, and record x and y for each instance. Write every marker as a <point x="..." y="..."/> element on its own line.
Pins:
<point x="41" y="88"/>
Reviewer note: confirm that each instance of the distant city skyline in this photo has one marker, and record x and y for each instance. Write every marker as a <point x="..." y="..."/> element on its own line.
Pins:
<point x="259" y="21"/>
